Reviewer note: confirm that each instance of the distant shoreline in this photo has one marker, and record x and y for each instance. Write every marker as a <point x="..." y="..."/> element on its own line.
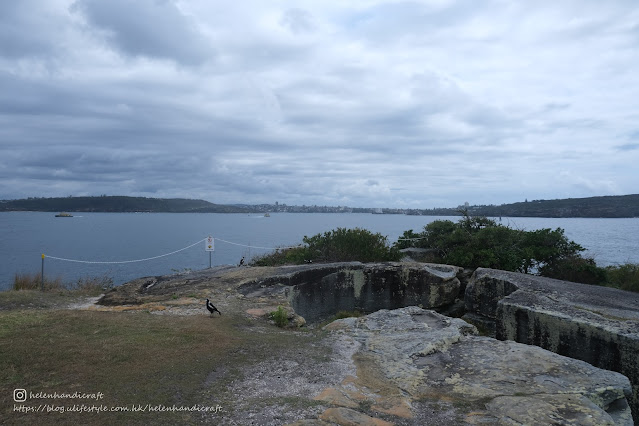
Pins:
<point x="618" y="206"/>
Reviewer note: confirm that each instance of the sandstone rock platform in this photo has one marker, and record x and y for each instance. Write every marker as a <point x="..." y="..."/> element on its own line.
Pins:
<point x="599" y="325"/>
<point x="438" y="361"/>
<point x="400" y="364"/>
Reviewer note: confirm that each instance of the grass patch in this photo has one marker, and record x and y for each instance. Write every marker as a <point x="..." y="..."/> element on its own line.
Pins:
<point x="340" y="315"/>
<point x="347" y="314"/>
<point x="34" y="282"/>
<point x="88" y="285"/>
<point x="132" y="358"/>
<point x="92" y="285"/>
<point x="30" y="299"/>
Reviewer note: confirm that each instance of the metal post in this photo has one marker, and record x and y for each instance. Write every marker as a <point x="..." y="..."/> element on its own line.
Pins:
<point x="42" y="275"/>
<point x="209" y="260"/>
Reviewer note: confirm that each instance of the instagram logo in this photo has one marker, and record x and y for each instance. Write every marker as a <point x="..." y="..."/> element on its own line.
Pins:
<point x="19" y="395"/>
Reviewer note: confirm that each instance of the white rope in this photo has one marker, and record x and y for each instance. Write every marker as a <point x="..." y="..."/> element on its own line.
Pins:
<point x="411" y="239"/>
<point x="257" y="247"/>
<point x="125" y="261"/>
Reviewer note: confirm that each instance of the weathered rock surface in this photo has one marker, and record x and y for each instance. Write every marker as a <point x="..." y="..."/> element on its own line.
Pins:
<point x="371" y="287"/>
<point x="434" y="360"/>
<point x="412" y="366"/>
<point x="595" y="324"/>
<point x="315" y="292"/>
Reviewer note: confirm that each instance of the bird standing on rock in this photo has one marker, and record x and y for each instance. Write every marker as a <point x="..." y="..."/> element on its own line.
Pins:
<point x="212" y="308"/>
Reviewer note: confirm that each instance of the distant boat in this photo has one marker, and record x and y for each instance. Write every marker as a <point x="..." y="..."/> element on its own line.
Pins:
<point x="267" y="215"/>
<point x="64" y="215"/>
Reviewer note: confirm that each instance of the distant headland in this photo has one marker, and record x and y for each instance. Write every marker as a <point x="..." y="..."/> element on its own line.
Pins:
<point x="618" y="206"/>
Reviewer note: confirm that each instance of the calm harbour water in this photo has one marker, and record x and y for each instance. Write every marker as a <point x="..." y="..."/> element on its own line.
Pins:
<point x="117" y="237"/>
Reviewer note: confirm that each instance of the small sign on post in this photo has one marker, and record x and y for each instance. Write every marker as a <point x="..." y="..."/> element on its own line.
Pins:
<point x="209" y="245"/>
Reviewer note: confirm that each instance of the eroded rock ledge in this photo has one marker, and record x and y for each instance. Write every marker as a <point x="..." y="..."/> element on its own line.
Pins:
<point x="595" y="324"/>
<point x="431" y="358"/>
<point x="439" y="357"/>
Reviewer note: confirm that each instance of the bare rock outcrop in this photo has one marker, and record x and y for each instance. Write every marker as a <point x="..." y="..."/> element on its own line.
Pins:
<point x="599" y="325"/>
<point x="369" y="287"/>
<point x="436" y="361"/>
<point x="426" y="368"/>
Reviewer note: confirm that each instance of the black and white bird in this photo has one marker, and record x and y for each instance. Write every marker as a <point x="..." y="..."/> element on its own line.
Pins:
<point x="211" y="308"/>
<point x="241" y="261"/>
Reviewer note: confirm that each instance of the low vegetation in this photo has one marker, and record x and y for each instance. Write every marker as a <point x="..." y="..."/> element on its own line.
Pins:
<point x="87" y="285"/>
<point x="280" y="317"/>
<point x="472" y="242"/>
<point x="132" y="358"/>
<point x="34" y="282"/>
<point x="347" y="314"/>
<point x="625" y="277"/>
<point x="339" y="245"/>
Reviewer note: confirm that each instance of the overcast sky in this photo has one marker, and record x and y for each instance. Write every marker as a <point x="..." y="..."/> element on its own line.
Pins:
<point x="360" y="103"/>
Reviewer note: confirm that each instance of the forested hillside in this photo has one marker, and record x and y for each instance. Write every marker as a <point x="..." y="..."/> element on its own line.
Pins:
<point x="117" y="204"/>
<point x="611" y="206"/>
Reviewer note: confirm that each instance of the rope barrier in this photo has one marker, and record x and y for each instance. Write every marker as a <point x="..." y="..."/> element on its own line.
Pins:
<point x="163" y="255"/>
<point x="123" y="261"/>
<point x="188" y="247"/>
<point x="257" y="247"/>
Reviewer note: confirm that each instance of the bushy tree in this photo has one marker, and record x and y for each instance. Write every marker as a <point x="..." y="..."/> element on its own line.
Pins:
<point x="338" y="245"/>
<point x="481" y="242"/>
<point x="343" y="245"/>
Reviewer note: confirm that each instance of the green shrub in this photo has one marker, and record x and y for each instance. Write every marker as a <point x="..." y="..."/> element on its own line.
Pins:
<point x="576" y="269"/>
<point x="625" y="277"/>
<point x="291" y="256"/>
<point x="339" y="245"/>
<point x="280" y="317"/>
<point x="345" y="245"/>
